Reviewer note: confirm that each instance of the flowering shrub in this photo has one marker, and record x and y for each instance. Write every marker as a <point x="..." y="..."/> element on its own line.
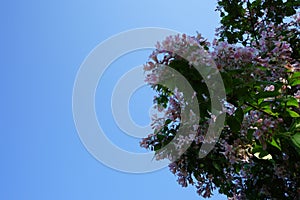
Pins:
<point x="257" y="155"/>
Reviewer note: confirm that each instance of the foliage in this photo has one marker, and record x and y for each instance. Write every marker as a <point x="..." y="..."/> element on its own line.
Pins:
<point x="257" y="53"/>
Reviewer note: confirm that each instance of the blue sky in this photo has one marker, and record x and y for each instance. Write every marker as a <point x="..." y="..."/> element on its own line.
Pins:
<point x="43" y="44"/>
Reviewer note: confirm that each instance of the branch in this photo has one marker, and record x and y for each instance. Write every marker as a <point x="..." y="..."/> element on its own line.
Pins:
<point x="257" y="108"/>
<point x="252" y="24"/>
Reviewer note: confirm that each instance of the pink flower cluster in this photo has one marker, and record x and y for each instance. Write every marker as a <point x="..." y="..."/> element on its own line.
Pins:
<point x="228" y="56"/>
<point x="267" y="59"/>
<point x="263" y="126"/>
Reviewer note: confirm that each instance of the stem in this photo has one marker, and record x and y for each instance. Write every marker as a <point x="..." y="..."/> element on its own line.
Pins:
<point x="252" y="24"/>
<point x="255" y="107"/>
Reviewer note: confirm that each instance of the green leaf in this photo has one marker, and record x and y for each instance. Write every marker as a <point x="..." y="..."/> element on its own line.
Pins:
<point x="242" y="93"/>
<point x="258" y="152"/>
<point x="292" y="113"/>
<point x="160" y="137"/>
<point x="227" y="83"/>
<point x="265" y="104"/>
<point x="157" y="147"/>
<point x="250" y="134"/>
<point x="216" y="166"/>
<point x="296" y="141"/>
<point x="295" y="125"/>
<point x="267" y="108"/>
<point x="234" y="123"/>
<point x="239" y="115"/>
<point x="263" y="153"/>
<point x="295" y="75"/>
<point x="256" y="148"/>
<point x="292" y="101"/>
<point x="248" y="109"/>
<point x="168" y="121"/>
<point x="267" y="94"/>
<point x="295" y="82"/>
<point x="275" y="144"/>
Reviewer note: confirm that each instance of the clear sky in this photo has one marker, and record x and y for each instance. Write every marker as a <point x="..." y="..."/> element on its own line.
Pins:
<point x="43" y="44"/>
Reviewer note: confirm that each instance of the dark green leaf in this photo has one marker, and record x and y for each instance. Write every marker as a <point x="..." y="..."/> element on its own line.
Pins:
<point x="239" y="114"/>
<point x="234" y="123"/>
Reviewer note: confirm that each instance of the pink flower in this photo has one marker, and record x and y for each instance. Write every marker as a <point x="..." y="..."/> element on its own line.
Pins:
<point x="149" y="66"/>
<point x="257" y="134"/>
<point x="151" y="78"/>
<point x="269" y="88"/>
<point x="297" y="94"/>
